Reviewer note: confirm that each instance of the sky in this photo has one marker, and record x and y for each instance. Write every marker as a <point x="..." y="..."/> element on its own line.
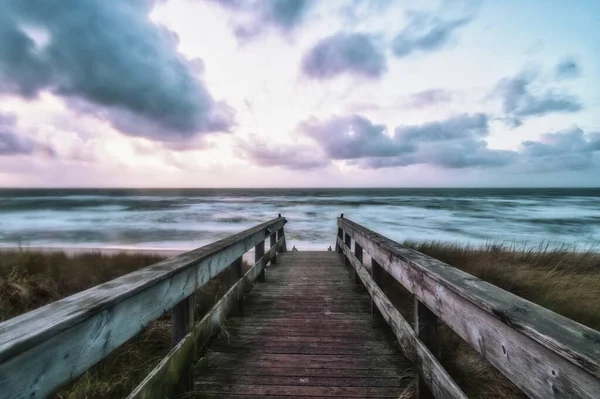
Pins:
<point x="299" y="93"/>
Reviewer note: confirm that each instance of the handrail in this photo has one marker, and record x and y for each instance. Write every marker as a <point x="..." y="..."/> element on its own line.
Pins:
<point x="44" y="349"/>
<point x="543" y="353"/>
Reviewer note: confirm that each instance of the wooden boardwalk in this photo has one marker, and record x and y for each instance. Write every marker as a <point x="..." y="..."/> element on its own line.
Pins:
<point x="307" y="331"/>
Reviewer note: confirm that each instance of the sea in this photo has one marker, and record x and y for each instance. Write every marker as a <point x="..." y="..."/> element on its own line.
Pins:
<point x="183" y="219"/>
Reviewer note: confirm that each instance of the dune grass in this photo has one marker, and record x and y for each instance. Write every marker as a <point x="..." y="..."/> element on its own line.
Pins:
<point x="29" y="280"/>
<point x="562" y="280"/>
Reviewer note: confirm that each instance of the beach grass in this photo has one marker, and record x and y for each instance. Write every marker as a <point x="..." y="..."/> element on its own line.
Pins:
<point x="560" y="279"/>
<point x="29" y="280"/>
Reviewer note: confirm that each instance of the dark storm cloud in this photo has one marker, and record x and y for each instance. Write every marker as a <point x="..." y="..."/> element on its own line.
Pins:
<point x="457" y="127"/>
<point x="567" y="68"/>
<point x="344" y="53"/>
<point x="425" y="33"/>
<point x="283" y="15"/>
<point x="13" y="143"/>
<point x="290" y="157"/>
<point x="351" y="137"/>
<point x="521" y="100"/>
<point x="428" y="98"/>
<point x="110" y="59"/>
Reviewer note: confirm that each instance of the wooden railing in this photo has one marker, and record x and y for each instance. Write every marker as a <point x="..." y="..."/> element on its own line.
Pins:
<point x="45" y="349"/>
<point x="544" y="354"/>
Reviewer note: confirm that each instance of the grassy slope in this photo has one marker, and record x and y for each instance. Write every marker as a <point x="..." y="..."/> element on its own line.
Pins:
<point x="564" y="281"/>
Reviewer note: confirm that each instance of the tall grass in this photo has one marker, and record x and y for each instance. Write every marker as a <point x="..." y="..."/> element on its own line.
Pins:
<point x="559" y="278"/>
<point x="29" y="280"/>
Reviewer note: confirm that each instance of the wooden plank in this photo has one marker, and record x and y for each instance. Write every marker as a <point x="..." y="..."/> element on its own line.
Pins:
<point x="299" y="390"/>
<point x="44" y="349"/>
<point x="165" y="375"/>
<point x="433" y="374"/>
<point x="543" y="353"/>
<point x="303" y="380"/>
<point x="206" y="370"/>
<point x="310" y="391"/>
<point x="427" y="331"/>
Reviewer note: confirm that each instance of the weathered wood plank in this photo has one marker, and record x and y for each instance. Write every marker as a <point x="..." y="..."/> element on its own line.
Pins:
<point x="179" y="360"/>
<point x="432" y="372"/>
<point x="42" y="350"/>
<point x="545" y="354"/>
<point x="300" y="379"/>
<point x="205" y="369"/>
<point x="298" y="390"/>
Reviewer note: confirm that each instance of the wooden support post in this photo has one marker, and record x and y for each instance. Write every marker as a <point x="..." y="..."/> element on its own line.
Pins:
<point x="377" y="275"/>
<point x="281" y="234"/>
<point x="358" y="252"/>
<point x="426" y="329"/>
<point x="236" y="274"/>
<point x="259" y="251"/>
<point x="341" y="236"/>
<point x="182" y="322"/>
<point x="348" y="242"/>
<point x="273" y="243"/>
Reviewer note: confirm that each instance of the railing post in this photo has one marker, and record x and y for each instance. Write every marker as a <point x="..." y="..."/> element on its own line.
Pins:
<point x="341" y="236"/>
<point x="348" y="242"/>
<point x="182" y="322"/>
<point x="236" y="274"/>
<point x="281" y="234"/>
<point x="259" y="251"/>
<point x="273" y="243"/>
<point x="358" y="252"/>
<point x="377" y="275"/>
<point x="426" y="329"/>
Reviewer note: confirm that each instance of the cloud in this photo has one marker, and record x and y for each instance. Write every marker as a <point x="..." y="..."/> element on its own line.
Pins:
<point x="456" y="127"/>
<point x="570" y="149"/>
<point x="428" y="98"/>
<point x="297" y="157"/>
<point x="344" y="53"/>
<point x="456" y="142"/>
<point x="567" y="68"/>
<point x="109" y="59"/>
<point x="521" y="99"/>
<point x="13" y="143"/>
<point x="425" y="33"/>
<point x="351" y="137"/>
<point x="451" y="155"/>
<point x="283" y="15"/>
